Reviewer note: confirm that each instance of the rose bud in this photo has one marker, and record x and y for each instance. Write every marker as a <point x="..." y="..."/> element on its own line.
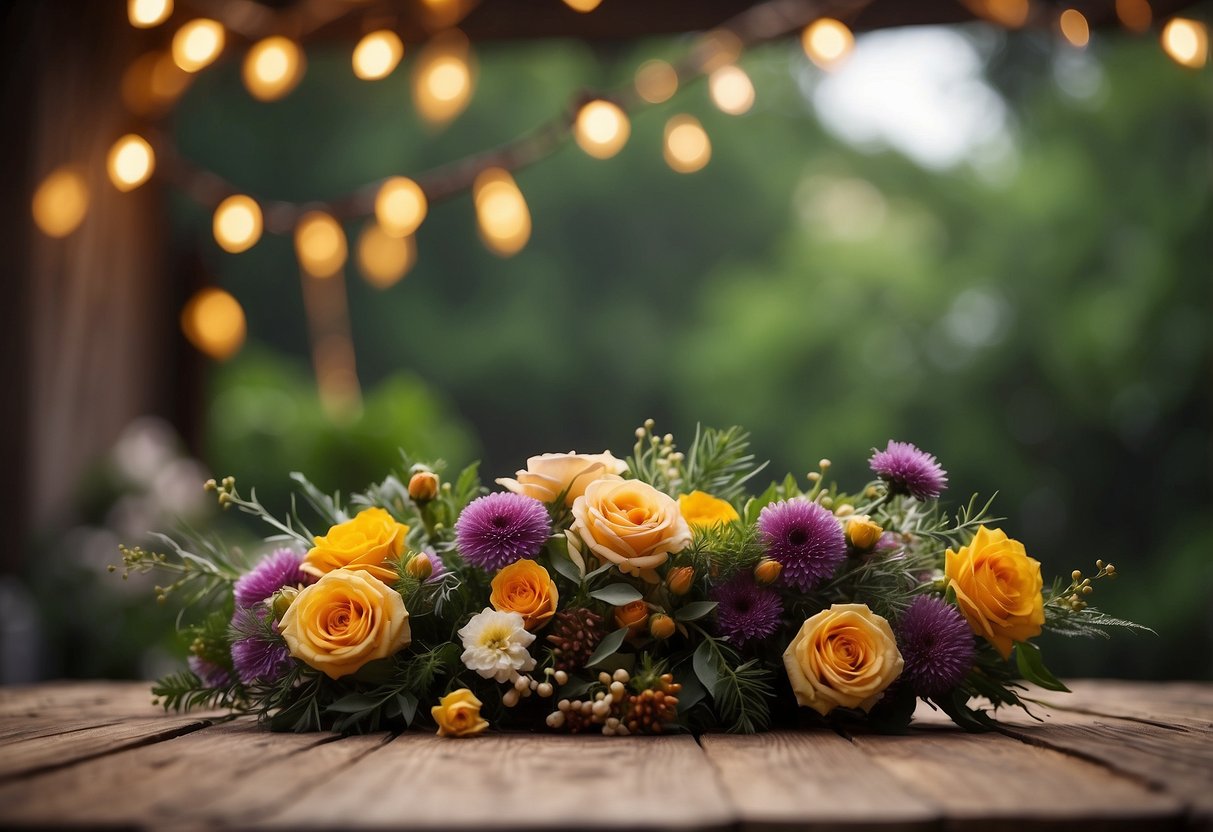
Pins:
<point x="633" y="616"/>
<point x="419" y="567"/>
<point x="282" y="600"/>
<point x="679" y="580"/>
<point x="661" y="626"/>
<point x="767" y="571"/>
<point x="423" y="486"/>
<point x="862" y="533"/>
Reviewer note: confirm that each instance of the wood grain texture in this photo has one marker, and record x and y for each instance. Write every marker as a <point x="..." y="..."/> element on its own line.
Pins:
<point x="815" y="780"/>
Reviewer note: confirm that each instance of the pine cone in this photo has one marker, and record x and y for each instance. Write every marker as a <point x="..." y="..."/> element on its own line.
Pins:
<point x="650" y="710"/>
<point x="574" y="634"/>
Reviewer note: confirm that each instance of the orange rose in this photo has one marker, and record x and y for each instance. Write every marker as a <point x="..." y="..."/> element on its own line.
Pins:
<point x="634" y="616"/>
<point x="998" y="588"/>
<point x="629" y="523"/>
<point x="526" y="588"/>
<point x="366" y="543"/>
<point x="845" y="656"/>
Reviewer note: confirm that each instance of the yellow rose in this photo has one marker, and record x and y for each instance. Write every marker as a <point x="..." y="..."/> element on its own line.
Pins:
<point x="548" y="475"/>
<point x="630" y="524"/>
<point x="998" y="588"/>
<point x="367" y="543"/>
<point x="704" y="510"/>
<point x="842" y="657"/>
<point x="526" y="588"/>
<point x="862" y="533"/>
<point x="458" y="714"/>
<point x="344" y="620"/>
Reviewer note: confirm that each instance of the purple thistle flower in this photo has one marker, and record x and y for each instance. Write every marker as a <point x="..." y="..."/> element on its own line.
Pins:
<point x="909" y="470"/>
<point x="805" y="538"/>
<point x="937" y="645"/>
<point x="277" y="569"/>
<point x="499" y="529"/>
<point x="257" y="655"/>
<point x="211" y="674"/>
<point x="746" y="611"/>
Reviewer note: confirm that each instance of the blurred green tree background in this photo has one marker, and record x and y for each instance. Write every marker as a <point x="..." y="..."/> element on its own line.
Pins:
<point x="1035" y="311"/>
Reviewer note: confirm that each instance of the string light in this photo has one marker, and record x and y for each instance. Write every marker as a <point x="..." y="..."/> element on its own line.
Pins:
<point x="152" y="83"/>
<point x="130" y="162"/>
<point x="272" y="68"/>
<point x="320" y="244"/>
<point x="384" y="258"/>
<point x="1009" y="13"/>
<point x="60" y="202"/>
<point x="144" y="14"/>
<point x="197" y="44"/>
<point x="1135" y="15"/>
<point x="442" y="78"/>
<point x="601" y="129"/>
<point x="400" y="206"/>
<point x="443" y="14"/>
<point x="501" y="212"/>
<point x="827" y="42"/>
<point x="717" y="48"/>
<point x="656" y="81"/>
<point x="237" y="223"/>
<point x="377" y="54"/>
<point x="583" y="6"/>
<point x="1186" y="42"/>
<point x="731" y="90"/>
<point x="687" y="147"/>
<point x="213" y="321"/>
<point x="1074" y="27"/>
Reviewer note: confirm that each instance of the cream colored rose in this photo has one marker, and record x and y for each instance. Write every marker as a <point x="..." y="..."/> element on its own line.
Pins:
<point x="631" y="524"/>
<point x="842" y="657"/>
<point x="548" y="475"/>
<point x="344" y="620"/>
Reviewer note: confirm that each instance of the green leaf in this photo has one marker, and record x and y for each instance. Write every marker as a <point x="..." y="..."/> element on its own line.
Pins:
<point x="704" y="663"/>
<point x="575" y="688"/>
<point x="694" y="610"/>
<point x="354" y="703"/>
<point x="692" y="693"/>
<point x="566" y="568"/>
<point x="600" y="570"/>
<point x="608" y="646"/>
<point x="1032" y="666"/>
<point x="377" y="672"/>
<point x="408" y="706"/>
<point x="617" y="594"/>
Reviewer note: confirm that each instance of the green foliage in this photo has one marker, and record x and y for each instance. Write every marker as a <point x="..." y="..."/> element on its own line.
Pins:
<point x="720" y="463"/>
<point x="741" y="692"/>
<point x="184" y="691"/>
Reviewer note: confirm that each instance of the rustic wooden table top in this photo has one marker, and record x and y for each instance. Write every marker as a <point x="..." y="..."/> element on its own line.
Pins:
<point x="1112" y="755"/>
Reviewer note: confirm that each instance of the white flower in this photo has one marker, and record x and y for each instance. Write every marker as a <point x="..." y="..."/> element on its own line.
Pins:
<point x="495" y="645"/>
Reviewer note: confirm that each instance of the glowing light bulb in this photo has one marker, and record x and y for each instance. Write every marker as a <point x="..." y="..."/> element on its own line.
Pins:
<point x="377" y="54"/>
<point x="384" y="258"/>
<point x="144" y="14"/>
<point x="237" y="223"/>
<point x="1074" y="28"/>
<point x="1186" y="41"/>
<point x="152" y="83"/>
<point x="717" y="48"/>
<point x="442" y="78"/>
<point x="656" y="81"/>
<point x="601" y="129"/>
<point x="827" y="42"/>
<point x="320" y="244"/>
<point x="583" y="6"/>
<point x="731" y="90"/>
<point x="60" y="202"/>
<point x="687" y="147"/>
<point x="197" y="44"/>
<point x="1009" y="13"/>
<point x="272" y="68"/>
<point x="400" y="206"/>
<point x="213" y="321"/>
<point x="1135" y="15"/>
<point x="501" y="212"/>
<point x="131" y="162"/>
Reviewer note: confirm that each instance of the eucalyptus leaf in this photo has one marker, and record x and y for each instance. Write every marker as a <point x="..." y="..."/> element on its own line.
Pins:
<point x="1032" y="666"/>
<point x="704" y="663"/>
<point x="408" y="706"/>
<point x="617" y="594"/>
<point x="566" y="568"/>
<point x="608" y="646"/>
<point x="353" y="703"/>
<point x="694" y="610"/>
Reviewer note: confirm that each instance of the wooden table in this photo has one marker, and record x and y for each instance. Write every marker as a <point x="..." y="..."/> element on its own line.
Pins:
<point x="1113" y="755"/>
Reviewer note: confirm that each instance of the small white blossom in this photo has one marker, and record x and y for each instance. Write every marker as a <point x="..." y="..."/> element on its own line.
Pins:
<point x="495" y="645"/>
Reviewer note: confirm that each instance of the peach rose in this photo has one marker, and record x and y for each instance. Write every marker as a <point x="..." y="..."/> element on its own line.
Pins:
<point x="366" y="543"/>
<point x="344" y="620"/>
<point x="630" y="524"/>
<point x="458" y="714"/>
<point x="526" y="588"/>
<point x="547" y="476"/>
<point x="842" y="657"/>
<point x="998" y="588"/>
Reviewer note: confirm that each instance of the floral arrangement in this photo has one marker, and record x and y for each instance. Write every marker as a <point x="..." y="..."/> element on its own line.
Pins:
<point x="649" y="594"/>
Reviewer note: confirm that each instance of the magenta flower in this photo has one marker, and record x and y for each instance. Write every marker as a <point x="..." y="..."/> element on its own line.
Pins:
<point x="805" y="538"/>
<point x="277" y="569"/>
<point x="746" y="611"/>
<point x="211" y="674"/>
<point x="259" y="654"/>
<point x="937" y="645"/>
<point x="499" y="529"/>
<point x="908" y="470"/>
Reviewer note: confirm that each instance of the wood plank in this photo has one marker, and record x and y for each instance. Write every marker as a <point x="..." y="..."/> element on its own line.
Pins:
<point x="990" y="782"/>
<point x="811" y="780"/>
<point x="1185" y="703"/>
<point x="520" y="781"/>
